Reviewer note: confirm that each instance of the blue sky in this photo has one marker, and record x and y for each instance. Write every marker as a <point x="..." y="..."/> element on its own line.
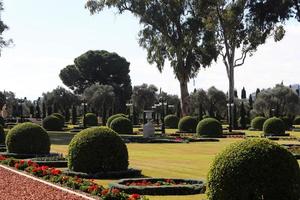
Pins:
<point x="48" y="35"/>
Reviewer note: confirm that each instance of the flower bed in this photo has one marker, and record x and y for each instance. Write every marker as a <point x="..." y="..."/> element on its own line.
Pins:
<point x="56" y="176"/>
<point x="159" y="186"/>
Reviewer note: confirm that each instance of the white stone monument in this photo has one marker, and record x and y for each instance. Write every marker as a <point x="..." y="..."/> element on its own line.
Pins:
<point x="148" y="128"/>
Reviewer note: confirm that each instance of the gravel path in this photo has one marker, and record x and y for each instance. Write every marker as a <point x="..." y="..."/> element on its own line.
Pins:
<point x="14" y="186"/>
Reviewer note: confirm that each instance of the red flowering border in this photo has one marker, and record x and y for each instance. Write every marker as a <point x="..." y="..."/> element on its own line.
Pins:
<point x="55" y="176"/>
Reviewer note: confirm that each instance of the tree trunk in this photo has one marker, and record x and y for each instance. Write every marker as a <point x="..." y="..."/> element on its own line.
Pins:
<point x="231" y="97"/>
<point x="184" y="98"/>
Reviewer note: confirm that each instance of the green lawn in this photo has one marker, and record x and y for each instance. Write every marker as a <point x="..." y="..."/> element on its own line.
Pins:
<point x="166" y="160"/>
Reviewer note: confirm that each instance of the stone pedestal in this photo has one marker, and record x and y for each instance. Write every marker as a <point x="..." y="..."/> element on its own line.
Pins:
<point x="148" y="130"/>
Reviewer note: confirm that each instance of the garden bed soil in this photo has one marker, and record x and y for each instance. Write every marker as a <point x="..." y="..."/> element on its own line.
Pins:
<point x="130" y="173"/>
<point x="190" y="186"/>
<point x="32" y="188"/>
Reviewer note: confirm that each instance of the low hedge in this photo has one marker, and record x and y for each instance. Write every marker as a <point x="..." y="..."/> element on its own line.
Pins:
<point x="274" y="126"/>
<point x="90" y="119"/>
<point x="2" y="135"/>
<point x="52" y="123"/>
<point x="61" y="118"/>
<point x="296" y="120"/>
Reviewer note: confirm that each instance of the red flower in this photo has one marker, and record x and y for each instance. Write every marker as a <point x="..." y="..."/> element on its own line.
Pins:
<point x="17" y="165"/>
<point x="115" y="191"/>
<point x="55" y="171"/>
<point x="135" y="196"/>
<point x="104" y="192"/>
<point x="2" y="157"/>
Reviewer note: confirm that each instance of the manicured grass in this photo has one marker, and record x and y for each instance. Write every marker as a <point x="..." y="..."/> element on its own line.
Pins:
<point x="167" y="160"/>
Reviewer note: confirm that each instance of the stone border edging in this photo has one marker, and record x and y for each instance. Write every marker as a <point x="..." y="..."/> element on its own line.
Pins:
<point x="48" y="183"/>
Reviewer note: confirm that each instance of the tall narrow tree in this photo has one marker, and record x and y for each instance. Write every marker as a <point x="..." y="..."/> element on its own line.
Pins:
<point x="243" y="93"/>
<point x="171" y="30"/>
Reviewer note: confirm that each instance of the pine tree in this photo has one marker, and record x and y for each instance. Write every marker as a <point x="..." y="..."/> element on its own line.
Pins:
<point x="243" y="93"/>
<point x="257" y="92"/>
<point x="250" y="102"/>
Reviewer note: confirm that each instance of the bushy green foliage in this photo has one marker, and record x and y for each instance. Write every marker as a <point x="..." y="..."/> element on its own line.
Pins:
<point x="52" y="123"/>
<point x="254" y="169"/>
<point x="274" y="126"/>
<point x="244" y="124"/>
<point x="60" y="117"/>
<point x="288" y="122"/>
<point x="187" y="124"/>
<point x="2" y="135"/>
<point x="171" y="121"/>
<point x="122" y="125"/>
<point x="97" y="149"/>
<point x="2" y="121"/>
<point x="28" y="138"/>
<point x="91" y="119"/>
<point x="209" y="127"/>
<point x="297" y="120"/>
<point x="111" y="118"/>
<point x="258" y="122"/>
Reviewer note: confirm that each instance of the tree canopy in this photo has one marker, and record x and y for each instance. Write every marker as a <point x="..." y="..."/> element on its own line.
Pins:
<point x="100" y="67"/>
<point x="144" y="96"/>
<point x="171" y="30"/>
<point x="3" y="27"/>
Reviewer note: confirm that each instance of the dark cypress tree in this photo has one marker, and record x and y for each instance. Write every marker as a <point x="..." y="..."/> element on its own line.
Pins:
<point x="235" y="94"/>
<point x="104" y="115"/>
<point x="31" y="110"/>
<point x="235" y="121"/>
<point x="74" y="115"/>
<point x="55" y="108"/>
<point x="200" y="112"/>
<point x="250" y="102"/>
<point x="44" y="110"/>
<point x="211" y="110"/>
<point x="49" y="110"/>
<point x="243" y="122"/>
<point x="67" y="115"/>
<point x="243" y="93"/>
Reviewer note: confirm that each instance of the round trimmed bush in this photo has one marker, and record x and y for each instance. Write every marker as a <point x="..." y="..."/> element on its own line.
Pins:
<point x="122" y="125"/>
<point x="258" y="122"/>
<point x="91" y="119"/>
<point x="171" y="121"/>
<point x="52" y="123"/>
<point x="288" y="122"/>
<point x="97" y="149"/>
<point x="209" y="127"/>
<point x="111" y="118"/>
<point x="60" y="117"/>
<point x="187" y="124"/>
<point x="254" y="169"/>
<point x="28" y="138"/>
<point x="297" y="120"/>
<point x="2" y="135"/>
<point x="274" y="126"/>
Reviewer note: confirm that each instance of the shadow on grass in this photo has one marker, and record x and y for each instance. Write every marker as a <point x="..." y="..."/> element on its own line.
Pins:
<point x="60" y="137"/>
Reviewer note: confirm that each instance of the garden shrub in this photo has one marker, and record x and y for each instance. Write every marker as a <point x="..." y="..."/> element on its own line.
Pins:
<point x="122" y="125"/>
<point x="258" y="122"/>
<point x="254" y="169"/>
<point x="187" y="124"/>
<point x="274" y="126"/>
<point x="52" y="123"/>
<point x="2" y="135"/>
<point x="296" y="120"/>
<point x="91" y="119"/>
<point x="2" y="121"/>
<point x="288" y="122"/>
<point x="209" y="127"/>
<point x="97" y="149"/>
<point x="247" y="122"/>
<point x="28" y="138"/>
<point x="111" y="118"/>
<point x="60" y="117"/>
<point x="171" y="121"/>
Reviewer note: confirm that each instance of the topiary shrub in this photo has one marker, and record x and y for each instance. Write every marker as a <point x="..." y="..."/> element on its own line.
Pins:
<point x="122" y="125"/>
<point x="2" y="135"/>
<point x="60" y="117"/>
<point x="274" y="126"/>
<point x="28" y="138"/>
<point x="52" y="123"/>
<point x="258" y="122"/>
<point x="111" y="118"/>
<point x="97" y="149"/>
<point x="254" y="169"/>
<point x="296" y="120"/>
<point x="171" y="121"/>
<point x="91" y="119"/>
<point x="187" y="124"/>
<point x="209" y="127"/>
<point x="288" y="122"/>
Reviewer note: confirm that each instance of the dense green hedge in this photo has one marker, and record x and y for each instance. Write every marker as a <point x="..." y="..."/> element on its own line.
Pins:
<point x="254" y="169"/>
<point x="274" y="126"/>
<point x="2" y="135"/>
<point x="91" y="119"/>
<point x="28" y="138"/>
<point x="121" y="125"/>
<point x="209" y="127"/>
<point x="171" y="121"/>
<point x="61" y="118"/>
<point x="297" y="120"/>
<point x="111" y="118"/>
<point x="187" y="124"/>
<point x="97" y="149"/>
<point x="288" y="122"/>
<point x="2" y="121"/>
<point x="52" y="123"/>
<point x="258" y="122"/>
